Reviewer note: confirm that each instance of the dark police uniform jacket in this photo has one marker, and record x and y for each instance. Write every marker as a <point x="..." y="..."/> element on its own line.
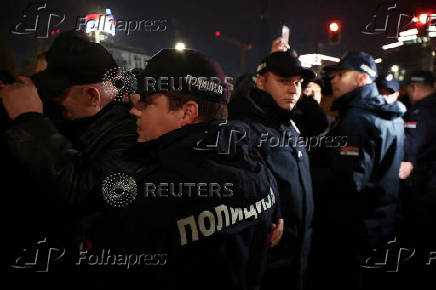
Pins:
<point x="201" y="238"/>
<point x="420" y="149"/>
<point x="420" y="142"/>
<point x="356" y="180"/>
<point x="284" y="151"/>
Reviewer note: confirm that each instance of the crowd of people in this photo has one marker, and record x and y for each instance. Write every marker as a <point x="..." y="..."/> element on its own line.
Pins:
<point x="190" y="183"/>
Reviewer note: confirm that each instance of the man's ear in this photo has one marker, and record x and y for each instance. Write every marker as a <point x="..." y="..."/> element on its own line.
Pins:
<point x="260" y="82"/>
<point x="93" y="95"/>
<point x="364" y="79"/>
<point x="190" y="113"/>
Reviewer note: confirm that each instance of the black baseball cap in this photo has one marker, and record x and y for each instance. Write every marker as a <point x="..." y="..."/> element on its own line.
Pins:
<point x="72" y="60"/>
<point x="388" y="82"/>
<point x="188" y="71"/>
<point x="357" y="61"/>
<point x="284" y="64"/>
<point x="421" y="76"/>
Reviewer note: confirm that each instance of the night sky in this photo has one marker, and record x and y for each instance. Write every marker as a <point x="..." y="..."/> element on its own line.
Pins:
<point x="195" y="23"/>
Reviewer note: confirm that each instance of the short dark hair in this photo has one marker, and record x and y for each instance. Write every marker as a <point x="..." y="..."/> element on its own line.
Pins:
<point x="207" y="110"/>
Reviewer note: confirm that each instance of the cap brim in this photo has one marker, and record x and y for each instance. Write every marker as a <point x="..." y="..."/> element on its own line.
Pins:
<point x="305" y="73"/>
<point x="337" y="67"/>
<point x="49" y="84"/>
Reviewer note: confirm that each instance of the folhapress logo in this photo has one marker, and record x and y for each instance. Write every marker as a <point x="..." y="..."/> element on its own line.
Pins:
<point x="39" y="257"/>
<point x="38" y="20"/>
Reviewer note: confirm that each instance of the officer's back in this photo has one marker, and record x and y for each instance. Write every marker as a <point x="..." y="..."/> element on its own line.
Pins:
<point x="203" y="202"/>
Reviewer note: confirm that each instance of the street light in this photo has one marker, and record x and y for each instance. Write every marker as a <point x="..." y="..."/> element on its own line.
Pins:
<point x="395" y="68"/>
<point x="180" y="46"/>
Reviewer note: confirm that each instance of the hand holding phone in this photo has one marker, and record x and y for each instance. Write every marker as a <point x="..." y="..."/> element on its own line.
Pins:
<point x="281" y="43"/>
<point x="285" y="35"/>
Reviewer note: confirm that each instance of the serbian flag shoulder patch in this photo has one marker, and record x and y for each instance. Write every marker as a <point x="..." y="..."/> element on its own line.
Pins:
<point x="410" y="125"/>
<point x="349" y="151"/>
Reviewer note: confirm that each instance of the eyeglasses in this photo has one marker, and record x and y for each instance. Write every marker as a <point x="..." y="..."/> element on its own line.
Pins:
<point x="296" y="83"/>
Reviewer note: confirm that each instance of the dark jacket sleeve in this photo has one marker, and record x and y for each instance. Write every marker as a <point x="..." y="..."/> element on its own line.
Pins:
<point x="413" y="141"/>
<point x="309" y="117"/>
<point x="69" y="176"/>
<point x="345" y="169"/>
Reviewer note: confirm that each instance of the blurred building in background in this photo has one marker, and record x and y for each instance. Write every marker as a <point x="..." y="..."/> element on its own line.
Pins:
<point x="415" y="48"/>
<point x="100" y="28"/>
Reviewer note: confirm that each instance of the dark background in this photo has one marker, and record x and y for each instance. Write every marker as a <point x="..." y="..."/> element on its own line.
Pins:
<point x="255" y="22"/>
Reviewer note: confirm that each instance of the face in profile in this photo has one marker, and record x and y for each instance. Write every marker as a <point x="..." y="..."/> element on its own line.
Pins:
<point x="344" y="81"/>
<point x="286" y="91"/>
<point x="154" y="118"/>
<point x="79" y="102"/>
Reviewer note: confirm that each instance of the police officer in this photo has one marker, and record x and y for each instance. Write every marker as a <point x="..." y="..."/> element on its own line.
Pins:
<point x="204" y="201"/>
<point x="420" y="162"/>
<point x="268" y="110"/>
<point x="355" y="183"/>
<point x="418" y="122"/>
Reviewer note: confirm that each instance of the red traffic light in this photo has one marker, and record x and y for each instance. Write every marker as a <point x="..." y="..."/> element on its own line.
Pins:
<point x="423" y="18"/>
<point x="217" y="33"/>
<point x="334" y="26"/>
<point x="334" y="32"/>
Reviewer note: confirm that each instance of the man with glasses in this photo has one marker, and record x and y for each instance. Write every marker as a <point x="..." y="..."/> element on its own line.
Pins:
<point x="268" y="110"/>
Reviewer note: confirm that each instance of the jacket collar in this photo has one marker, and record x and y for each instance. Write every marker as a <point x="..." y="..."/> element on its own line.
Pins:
<point x="154" y="149"/>
<point x="355" y="96"/>
<point x="262" y="105"/>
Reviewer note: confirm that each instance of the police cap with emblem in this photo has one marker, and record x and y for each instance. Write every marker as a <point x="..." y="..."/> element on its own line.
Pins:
<point x="358" y="61"/>
<point x="421" y="76"/>
<point x="284" y="64"/>
<point x="187" y="71"/>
